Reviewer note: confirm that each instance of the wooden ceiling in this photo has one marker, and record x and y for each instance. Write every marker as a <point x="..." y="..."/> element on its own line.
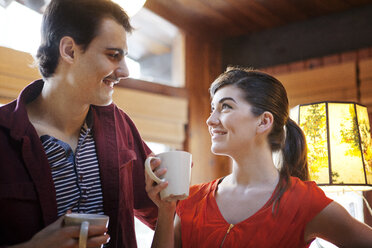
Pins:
<point x="237" y="17"/>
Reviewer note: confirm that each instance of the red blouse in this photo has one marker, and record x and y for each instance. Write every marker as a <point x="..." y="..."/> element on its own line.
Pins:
<point x="202" y="224"/>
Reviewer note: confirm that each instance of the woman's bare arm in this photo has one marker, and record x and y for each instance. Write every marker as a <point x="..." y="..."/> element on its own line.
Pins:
<point x="337" y="226"/>
<point x="177" y="232"/>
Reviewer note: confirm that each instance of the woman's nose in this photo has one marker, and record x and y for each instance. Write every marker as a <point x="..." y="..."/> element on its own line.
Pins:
<point x="212" y="119"/>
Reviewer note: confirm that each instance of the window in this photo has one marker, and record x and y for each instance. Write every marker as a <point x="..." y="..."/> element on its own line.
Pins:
<point x="13" y="31"/>
<point x="157" y="46"/>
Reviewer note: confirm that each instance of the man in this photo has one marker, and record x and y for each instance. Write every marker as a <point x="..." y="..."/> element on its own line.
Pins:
<point x="63" y="145"/>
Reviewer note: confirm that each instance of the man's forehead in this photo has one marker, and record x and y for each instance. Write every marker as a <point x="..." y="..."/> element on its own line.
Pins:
<point x="108" y="24"/>
<point x="112" y="35"/>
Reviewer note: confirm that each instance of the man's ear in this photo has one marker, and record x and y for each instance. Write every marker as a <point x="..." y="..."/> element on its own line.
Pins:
<point x="266" y="121"/>
<point x="67" y="48"/>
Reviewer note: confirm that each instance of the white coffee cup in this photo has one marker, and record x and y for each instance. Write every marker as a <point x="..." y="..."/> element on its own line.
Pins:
<point x="178" y="164"/>
<point x="84" y="220"/>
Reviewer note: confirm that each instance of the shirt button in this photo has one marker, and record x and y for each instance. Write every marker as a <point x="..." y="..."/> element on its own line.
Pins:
<point x="81" y="177"/>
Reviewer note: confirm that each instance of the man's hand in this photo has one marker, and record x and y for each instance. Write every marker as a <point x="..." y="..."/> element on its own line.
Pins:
<point x="56" y="235"/>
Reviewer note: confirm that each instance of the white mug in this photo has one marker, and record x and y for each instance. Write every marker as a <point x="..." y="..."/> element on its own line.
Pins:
<point x="178" y="164"/>
<point x="84" y="220"/>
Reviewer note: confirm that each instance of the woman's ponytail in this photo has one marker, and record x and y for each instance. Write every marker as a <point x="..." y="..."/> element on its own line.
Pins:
<point x="294" y="153"/>
<point x="294" y="160"/>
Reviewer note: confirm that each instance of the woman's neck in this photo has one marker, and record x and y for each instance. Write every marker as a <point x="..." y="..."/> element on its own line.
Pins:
<point x="254" y="168"/>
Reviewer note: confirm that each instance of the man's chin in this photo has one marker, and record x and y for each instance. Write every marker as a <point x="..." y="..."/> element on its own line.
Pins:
<point x="103" y="104"/>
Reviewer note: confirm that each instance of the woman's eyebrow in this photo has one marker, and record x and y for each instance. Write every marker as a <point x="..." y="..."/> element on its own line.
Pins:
<point x="222" y="100"/>
<point x="225" y="99"/>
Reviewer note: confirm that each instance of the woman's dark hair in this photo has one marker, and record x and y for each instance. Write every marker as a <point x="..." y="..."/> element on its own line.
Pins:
<point x="265" y="93"/>
<point x="79" y="19"/>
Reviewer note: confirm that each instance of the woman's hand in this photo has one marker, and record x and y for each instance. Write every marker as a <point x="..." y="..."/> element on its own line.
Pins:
<point x="153" y="189"/>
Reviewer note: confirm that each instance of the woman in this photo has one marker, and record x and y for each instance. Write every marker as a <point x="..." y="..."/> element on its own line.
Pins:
<point x="257" y="205"/>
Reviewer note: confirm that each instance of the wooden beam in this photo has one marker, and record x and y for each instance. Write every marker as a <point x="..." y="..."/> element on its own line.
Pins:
<point x="151" y="106"/>
<point x="159" y="118"/>
<point x="365" y="77"/>
<point x="203" y="65"/>
<point x="137" y="84"/>
<point x="288" y="11"/>
<point x="255" y="12"/>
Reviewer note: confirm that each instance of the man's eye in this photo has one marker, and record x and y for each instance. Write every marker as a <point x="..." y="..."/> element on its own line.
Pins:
<point x="116" y="56"/>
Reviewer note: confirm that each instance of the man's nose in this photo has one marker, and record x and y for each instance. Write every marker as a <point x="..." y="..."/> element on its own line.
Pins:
<point x="122" y="71"/>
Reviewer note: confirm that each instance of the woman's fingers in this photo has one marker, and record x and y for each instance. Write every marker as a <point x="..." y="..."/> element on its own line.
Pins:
<point x="152" y="188"/>
<point x="159" y="172"/>
<point x="155" y="189"/>
<point x="155" y="163"/>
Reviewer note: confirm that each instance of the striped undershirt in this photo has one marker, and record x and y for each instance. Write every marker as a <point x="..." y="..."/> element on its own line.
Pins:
<point x="76" y="176"/>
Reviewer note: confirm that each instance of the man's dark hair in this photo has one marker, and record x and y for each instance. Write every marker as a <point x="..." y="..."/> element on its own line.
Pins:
<point x="79" y="19"/>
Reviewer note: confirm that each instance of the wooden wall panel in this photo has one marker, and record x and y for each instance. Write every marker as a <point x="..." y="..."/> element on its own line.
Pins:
<point x="11" y="86"/>
<point x="365" y="76"/>
<point x="329" y="83"/>
<point x="158" y="118"/>
<point x="144" y="104"/>
<point x="19" y="64"/>
<point x="203" y="65"/>
<point x="16" y="71"/>
<point x="365" y="69"/>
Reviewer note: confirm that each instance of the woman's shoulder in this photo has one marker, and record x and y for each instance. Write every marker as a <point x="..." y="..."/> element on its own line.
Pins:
<point x="297" y="184"/>
<point x="308" y="193"/>
<point x="199" y="190"/>
<point x="197" y="193"/>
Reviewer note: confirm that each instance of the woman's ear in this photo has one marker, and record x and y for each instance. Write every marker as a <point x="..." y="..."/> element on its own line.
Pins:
<point x="266" y="121"/>
<point x="67" y="48"/>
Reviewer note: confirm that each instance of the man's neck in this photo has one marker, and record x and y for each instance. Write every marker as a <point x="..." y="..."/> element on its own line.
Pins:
<point x="56" y="113"/>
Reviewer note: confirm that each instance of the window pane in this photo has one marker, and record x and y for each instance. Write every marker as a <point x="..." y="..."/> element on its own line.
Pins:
<point x="313" y="123"/>
<point x="365" y="135"/>
<point x="346" y="160"/>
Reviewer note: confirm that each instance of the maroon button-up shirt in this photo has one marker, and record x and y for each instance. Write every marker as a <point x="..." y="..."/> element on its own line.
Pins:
<point x="27" y="194"/>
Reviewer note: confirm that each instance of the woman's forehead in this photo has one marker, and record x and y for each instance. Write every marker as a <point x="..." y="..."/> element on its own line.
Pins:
<point x="228" y="92"/>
